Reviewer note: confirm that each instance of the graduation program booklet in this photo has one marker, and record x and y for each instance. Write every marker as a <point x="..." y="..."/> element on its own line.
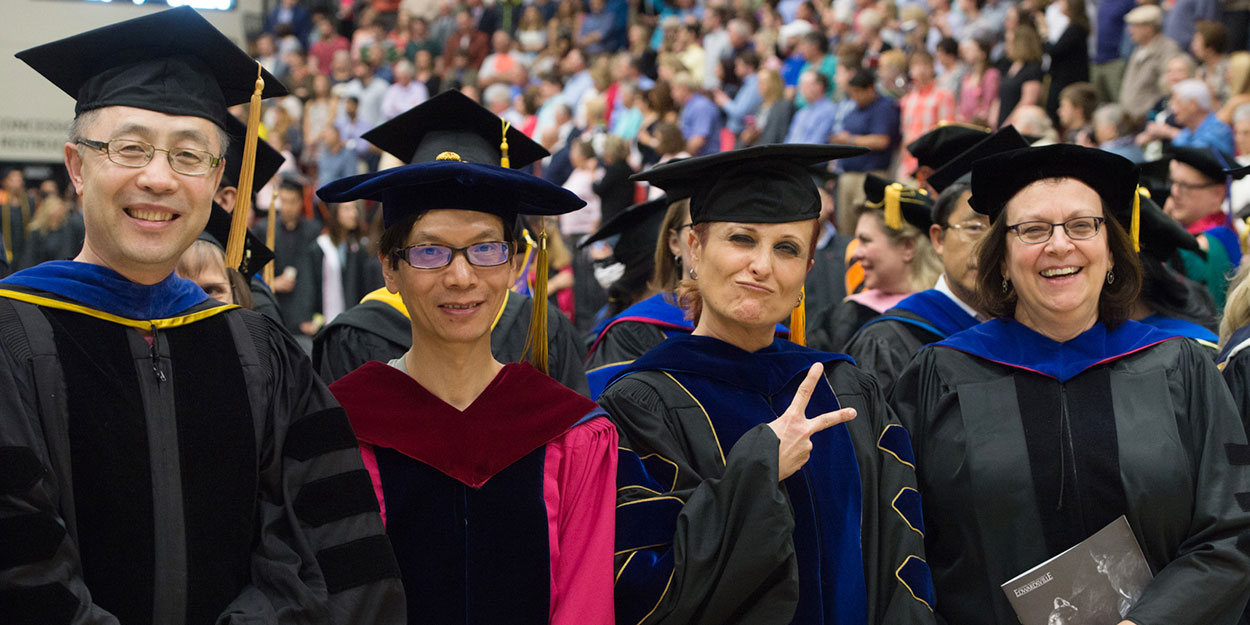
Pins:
<point x="1092" y="583"/>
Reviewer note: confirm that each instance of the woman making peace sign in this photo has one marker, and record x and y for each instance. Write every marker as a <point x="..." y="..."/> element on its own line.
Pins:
<point x="743" y="498"/>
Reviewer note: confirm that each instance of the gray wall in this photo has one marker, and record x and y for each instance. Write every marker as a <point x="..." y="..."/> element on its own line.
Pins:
<point x="34" y="114"/>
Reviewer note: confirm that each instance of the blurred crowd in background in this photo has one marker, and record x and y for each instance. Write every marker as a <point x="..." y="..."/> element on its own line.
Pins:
<point x="612" y="87"/>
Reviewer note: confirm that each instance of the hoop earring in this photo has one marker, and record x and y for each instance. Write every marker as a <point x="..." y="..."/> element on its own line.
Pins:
<point x="1110" y="277"/>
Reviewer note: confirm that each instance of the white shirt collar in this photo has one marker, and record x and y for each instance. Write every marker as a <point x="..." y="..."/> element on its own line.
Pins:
<point x="945" y="289"/>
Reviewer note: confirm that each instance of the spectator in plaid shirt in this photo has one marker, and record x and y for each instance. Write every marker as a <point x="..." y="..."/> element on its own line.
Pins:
<point x="924" y="106"/>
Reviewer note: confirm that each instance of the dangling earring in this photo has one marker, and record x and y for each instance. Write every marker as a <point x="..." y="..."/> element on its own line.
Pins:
<point x="1006" y="284"/>
<point x="692" y="274"/>
<point x="1110" y="277"/>
<point x="796" y="304"/>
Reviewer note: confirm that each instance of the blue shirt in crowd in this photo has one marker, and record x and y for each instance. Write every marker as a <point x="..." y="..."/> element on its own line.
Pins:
<point x="746" y="102"/>
<point x="813" y="123"/>
<point x="878" y="118"/>
<point x="1110" y="28"/>
<point x="1211" y="133"/>
<point x="701" y="118"/>
<point x="1179" y="23"/>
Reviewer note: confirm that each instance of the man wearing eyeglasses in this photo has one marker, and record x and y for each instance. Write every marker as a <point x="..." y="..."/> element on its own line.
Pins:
<point x="164" y="458"/>
<point x="886" y="343"/>
<point x="1196" y="202"/>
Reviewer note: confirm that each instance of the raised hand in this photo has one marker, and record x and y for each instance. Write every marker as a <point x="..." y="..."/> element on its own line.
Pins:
<point x="795" y="430"/>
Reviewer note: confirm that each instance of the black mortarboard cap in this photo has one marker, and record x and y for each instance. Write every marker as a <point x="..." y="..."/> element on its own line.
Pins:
<point x="419" y="187"/>
<point x="452" y="122"/>
<point x="217" y="232"/>
<point x="639" y="227"/>
<point x="1205" y="160"/>
<point x="1006" y="138"/>
<point x="760" y="184"/>
<point x="268" y="160"/>
<point x="942" y="144"/>
<point x="1237" y="173"/>
<point x="173" y="62"/>
<point x="1156" y="179"/>
<point x="899" y="202"/>
<point x="998" y="178"/>
<point x="1161" y="235"/>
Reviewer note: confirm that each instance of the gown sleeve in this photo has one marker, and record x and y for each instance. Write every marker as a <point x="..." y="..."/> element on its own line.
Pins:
<point x="566" y="352"/>
<point x="1237" y="375"/>
<point x="322" y="554"/>
<point x="580" y="488"/>
<point x="1214" y="556"/>
<point x="41" y="579"/>
<point x="340" y="348"/>
<point x="624" y="342"/>
<point x="882" y="350"/>
<point x="701" y="537"/>
<point x="900" y="585"/>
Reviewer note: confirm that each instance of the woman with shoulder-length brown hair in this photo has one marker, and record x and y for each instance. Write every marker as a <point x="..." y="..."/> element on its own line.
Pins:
<point x="1038" y="428"/>
<point x="742" y="495"/>
<point x="1022" y="82"/>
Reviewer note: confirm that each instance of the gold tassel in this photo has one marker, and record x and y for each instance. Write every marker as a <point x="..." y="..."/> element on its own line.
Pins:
<point x="798" y="320"/>
<point x="1134" y="229"/>
<point x="893" y="207"/>
<point x="270" y="222"/>
<point x="536" y="342"/>
<point x="503" y="147"/>
<point x="243" y="207"/>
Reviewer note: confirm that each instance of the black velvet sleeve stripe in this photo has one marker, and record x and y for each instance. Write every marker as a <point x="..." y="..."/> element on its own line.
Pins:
<point x="335" y="498"/>
<point x="1243" y="542"/>
<point x="1243" y="500"/>
<point x="28" y="539"/>
<point x="1238" y="455"/>
<point x="357" y="563"/>
<point x="319" y="433"/>
<point x="50" y="604"/>
<point x="20" y="469"/>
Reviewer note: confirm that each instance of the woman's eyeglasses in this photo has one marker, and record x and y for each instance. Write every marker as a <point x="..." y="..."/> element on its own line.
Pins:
<point x="1077" y="229"/>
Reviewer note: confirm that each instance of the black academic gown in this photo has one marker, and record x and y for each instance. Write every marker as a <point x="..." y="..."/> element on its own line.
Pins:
<point x="1234" y="363"/>
<point x="360" y="274"/>
<point x="885" y="344"/>
<point x="1151" y="433"/>
<point x="826" y="282"/>
<point x="206" y="477"/>
<point x="378" y="330"/>
<point x="624" y="342"/>
<point x="704" y="532"/>
<point x="264" y="301"/>
<point x="831" y="330"/>
<point x="63" y="243"/>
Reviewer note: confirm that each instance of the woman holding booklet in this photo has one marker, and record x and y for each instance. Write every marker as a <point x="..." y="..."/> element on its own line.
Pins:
<point x="1038" y="428"/>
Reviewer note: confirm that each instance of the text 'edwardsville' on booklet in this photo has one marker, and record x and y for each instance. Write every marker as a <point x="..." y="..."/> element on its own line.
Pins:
<point x="1094" y="582"/>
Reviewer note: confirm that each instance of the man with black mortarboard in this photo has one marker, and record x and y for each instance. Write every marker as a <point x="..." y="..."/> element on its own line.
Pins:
<point x="936" y="148"/>
<point x="1198" y="191"/>
<point x="379" y="328"/>
<point x="165" y="458"/>
<point x="256" y="255"/>
<point x="886" y="343"/>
